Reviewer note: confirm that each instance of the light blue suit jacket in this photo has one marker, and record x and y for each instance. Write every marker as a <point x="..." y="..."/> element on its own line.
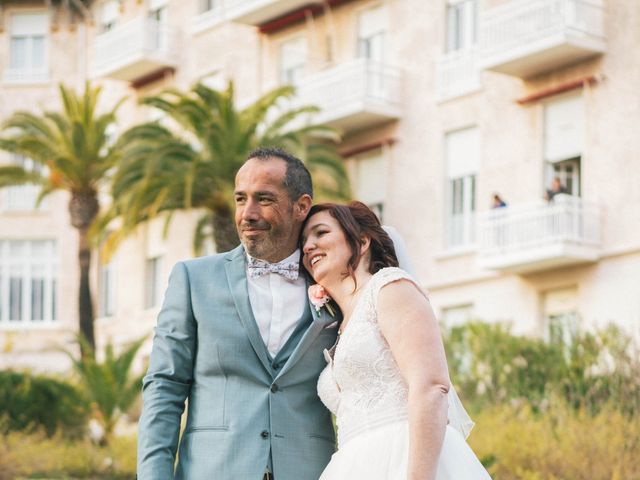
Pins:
<point x="242" y="404"/>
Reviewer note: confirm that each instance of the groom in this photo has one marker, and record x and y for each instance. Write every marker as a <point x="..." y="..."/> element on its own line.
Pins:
<point x="238" y="339"/>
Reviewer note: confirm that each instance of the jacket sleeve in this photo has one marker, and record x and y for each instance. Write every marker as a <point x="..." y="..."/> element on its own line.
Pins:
<point x="168" y="380"/>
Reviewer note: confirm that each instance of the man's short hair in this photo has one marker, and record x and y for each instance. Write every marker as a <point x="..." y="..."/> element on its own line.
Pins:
<point x="297" y="179"/>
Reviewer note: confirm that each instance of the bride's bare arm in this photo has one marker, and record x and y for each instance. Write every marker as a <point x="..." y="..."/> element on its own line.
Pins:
<point x="409" y="325"/>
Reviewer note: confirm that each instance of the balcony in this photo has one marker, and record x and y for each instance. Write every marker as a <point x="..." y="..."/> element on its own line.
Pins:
<point x="531" y="238"/>
<point x="135" y="50"/>
<point x="457" y="74"/>
<point x="353" y="95"/>
<point x="525" y="38"/>
<point x="250" y="12"/>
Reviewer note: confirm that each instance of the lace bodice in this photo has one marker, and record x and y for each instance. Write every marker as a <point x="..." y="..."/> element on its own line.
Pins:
<point x="362" y="384"/>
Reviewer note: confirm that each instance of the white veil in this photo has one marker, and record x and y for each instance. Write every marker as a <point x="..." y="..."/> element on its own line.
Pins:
<point x="457" y="415"/>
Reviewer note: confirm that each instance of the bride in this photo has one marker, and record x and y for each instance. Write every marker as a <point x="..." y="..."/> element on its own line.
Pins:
<point x="386" y="380"/>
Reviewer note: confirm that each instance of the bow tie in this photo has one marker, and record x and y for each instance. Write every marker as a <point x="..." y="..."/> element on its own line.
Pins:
<point x="257" y="268"/>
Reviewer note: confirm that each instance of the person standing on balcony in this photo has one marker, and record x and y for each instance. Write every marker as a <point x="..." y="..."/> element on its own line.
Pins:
<point x="498" y="202"/>
<point x="238" y="338"/>
<point x="556" y="188"/>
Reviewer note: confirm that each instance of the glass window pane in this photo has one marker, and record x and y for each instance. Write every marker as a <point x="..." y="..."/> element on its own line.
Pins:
<point x="54" y="305"/>
<point x="18" y="53"/>
<point x="38" y="53"/>
<point x="37" y="299"/>
<point x="15" y="298"/>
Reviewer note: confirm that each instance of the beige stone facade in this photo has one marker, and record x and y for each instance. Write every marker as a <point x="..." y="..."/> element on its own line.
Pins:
<point x="441" y="104"/>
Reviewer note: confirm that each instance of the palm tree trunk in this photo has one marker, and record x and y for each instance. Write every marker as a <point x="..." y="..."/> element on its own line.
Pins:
<point x="225" y="234"/>
<point x="85" y="303"/>
<point x="83" y="208"/>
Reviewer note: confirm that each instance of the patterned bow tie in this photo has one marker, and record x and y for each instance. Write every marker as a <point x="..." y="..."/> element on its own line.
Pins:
<point x="257" y="268"/>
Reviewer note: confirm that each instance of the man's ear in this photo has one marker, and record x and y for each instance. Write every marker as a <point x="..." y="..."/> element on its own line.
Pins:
<point x="302" y="206"/>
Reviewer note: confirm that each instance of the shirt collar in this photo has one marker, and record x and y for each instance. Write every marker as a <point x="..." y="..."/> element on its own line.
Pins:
<point x="294" y="257"/>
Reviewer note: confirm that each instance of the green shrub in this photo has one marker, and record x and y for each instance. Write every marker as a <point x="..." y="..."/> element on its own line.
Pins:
<point x="31" y="402"/>
<point x="490" y="366"/>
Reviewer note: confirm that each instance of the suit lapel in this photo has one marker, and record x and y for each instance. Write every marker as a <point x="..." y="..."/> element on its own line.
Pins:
<point x="237" y="279"/>
<point x="319" y="321"/>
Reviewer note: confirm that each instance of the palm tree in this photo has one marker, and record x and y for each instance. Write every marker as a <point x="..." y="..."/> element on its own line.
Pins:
<point x="193" y="163"/>
<point x="108" y="385"/>
<point x="74" y="146"/>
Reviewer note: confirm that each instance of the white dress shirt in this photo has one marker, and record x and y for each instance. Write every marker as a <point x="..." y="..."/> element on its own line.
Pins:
<point x="277" y="305"/>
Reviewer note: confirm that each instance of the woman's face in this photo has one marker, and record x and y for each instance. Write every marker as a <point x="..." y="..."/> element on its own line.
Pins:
<point x="325" y="248"/>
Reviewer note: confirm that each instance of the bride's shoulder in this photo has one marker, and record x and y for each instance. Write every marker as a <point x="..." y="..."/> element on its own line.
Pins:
<point x="388" y="274"/>
<point x="392" y="275"/>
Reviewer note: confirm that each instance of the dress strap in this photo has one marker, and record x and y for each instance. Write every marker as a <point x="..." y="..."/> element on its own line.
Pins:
<point x="388" y="275"/>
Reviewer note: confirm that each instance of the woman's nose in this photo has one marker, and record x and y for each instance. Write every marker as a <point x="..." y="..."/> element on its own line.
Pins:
<point x="308" y="247"/>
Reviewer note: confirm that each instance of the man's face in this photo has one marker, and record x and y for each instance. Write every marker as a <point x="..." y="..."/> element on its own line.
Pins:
<point x="268" y="221"/>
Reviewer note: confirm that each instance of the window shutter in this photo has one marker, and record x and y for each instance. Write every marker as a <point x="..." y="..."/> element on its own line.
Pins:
<point x="29" y="24"/>
<point x="564" y="129"/>
<point x="462" y="151"/>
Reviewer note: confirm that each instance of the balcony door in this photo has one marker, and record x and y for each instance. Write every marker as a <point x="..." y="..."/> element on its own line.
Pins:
<point x="368" y="175"/>
<point x="372" y="32"/>
<point x="372" y="39"/>
<point x="462" y="158"/>
<point x="462" y="24"/>
<point x="564" y="125"/>
<point x="293" y="61"/>
<point x="158" y="17"/>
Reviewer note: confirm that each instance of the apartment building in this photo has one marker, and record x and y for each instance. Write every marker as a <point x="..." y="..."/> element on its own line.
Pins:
<point x="442" y="104"/>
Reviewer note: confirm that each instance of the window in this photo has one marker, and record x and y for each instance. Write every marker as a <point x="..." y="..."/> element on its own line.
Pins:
<point x="28" y="47"/>
<point x="372" y="27"/>
<point x="158" y="14"/>
<point x="109" y="12"/>
<point x="293" y="61"/>
<point x="560" y="311"/>
<point x="461" y="24"/>
<point x="564" y="126"/>
<point x="462" y="160"/>
<point x="368" y="174"/>
<point x="153" y="282"/>
<point x="106" y="289"/>
<point x="23" y="197"/>
<point x="28" y="282"/>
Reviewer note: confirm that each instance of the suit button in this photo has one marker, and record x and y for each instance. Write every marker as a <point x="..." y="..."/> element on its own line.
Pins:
<point x="274" y="388"/>
<point x="264" y="434"/>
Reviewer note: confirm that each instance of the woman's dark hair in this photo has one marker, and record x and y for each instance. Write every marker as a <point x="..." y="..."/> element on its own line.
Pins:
<point x="356" y="221"/>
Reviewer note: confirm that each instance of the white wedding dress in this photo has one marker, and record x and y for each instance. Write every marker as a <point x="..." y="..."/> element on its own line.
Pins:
<point x="363" y="387"/>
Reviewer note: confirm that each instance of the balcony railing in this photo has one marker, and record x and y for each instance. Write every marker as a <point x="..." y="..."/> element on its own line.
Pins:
<point x="134" y="50"/>
<point x="250" y="12"/>
<point x="457" y="74"/>
<point x="353" y="95"/>
<point x="540" y="236"/>
<point x="528" y="37"/>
